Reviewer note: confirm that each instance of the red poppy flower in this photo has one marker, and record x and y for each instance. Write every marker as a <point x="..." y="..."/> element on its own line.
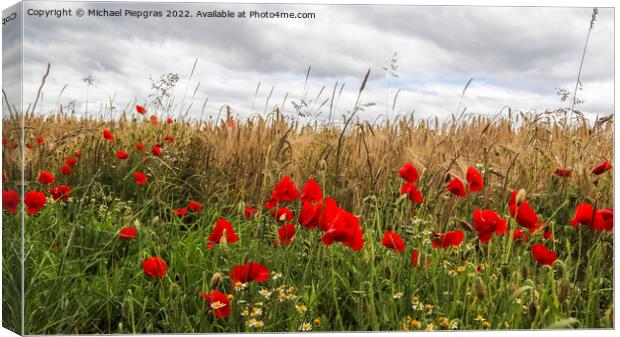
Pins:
<point x="456" y="187"/>
<point x="156" y="149"/>
<point x="169" y="139"/>
<point x="194" y="206"/>
<point x="310" y="214"/>
<point x="46" y="178"/>
<point x="222" y="227"/>
<point x="345" y="228"/>
<point x="230" y="123"/>
<point x="71" y="162"/>
<point x="77" y="154"/>
<point x="154" y="120"/>
<point x="311" y="191"/>
<point x="285" y="190"/>
<point x="154" y="267"/>
<point x="40" y="140"/>
<point x="169" y="120"/>
<point x="603" y="220"/>
<point x="548" y="234"/>
<point x="286" y="234"/>
<point x="584" y="215"/>
<point x="180" y="212"/>
<point x="474" y="180"/>
<point x="393" y="241"/>
<point x="602" y="168"/>
<point x="108" y="135"/>
<point x="140" y="109"/>
<point x="415" y="258"/>
<point x="445" y="240"/>
<point x="65" y="170"/>
<point x="414" y="194"/>
<point x="271" y="203"/>
<point x="139" y="146"/>
<point x="249" y="212"/>
<point x="34" y="201"/>
<point x="564" y="172"/>
<point x="520" y="235"/>
<point x="543" y="255"/>
<point x="121" y="155"/>
<point x="61" y="192"/>
<point x="329" y="213"/>
<point x="10" y="201"/>
<point x="251" y="271"/>
<point x="128" y="233"/>
<point x="218" y="302"/>
<point x="487" y="223"/>
<point x="525" y="215"/>
<point x="283" y="214"/>
<point x="409" y="173"/>
<point x="140" y="178"/>
<point x="29" y="145"/>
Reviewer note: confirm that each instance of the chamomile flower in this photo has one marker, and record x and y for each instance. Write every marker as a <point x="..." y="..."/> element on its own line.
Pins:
<point x="275" y="275"/>
<point x="305" y="327"/>
<point x="254" y="323"/>
<point x="265" y="293"/>
<point x="397" y="295"/>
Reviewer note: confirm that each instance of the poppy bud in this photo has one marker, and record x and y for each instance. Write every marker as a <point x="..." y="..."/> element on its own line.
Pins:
<point x="520" y="197"/>
<point x="137" y="224"/>
<point x="480" y="289"/>
<point x="563" y="290"/>
<point x="223" y="241"/>
<point x="531" y="311"/>
<point x="525" y="272"/>
<point x="127" y="306"/>
<point x="216" y="279"/>
<point x="151" y="328"/>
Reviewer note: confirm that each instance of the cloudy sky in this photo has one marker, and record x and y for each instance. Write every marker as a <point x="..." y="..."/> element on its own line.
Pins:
<point x="516" y="57"/>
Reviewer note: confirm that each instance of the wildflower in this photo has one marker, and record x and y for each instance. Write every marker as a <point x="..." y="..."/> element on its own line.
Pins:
<point x="169" y="139"/>
<point x="46" y="178"/>
<point x="34" y="201"/>
<point x="474" y="180"/>
<point x="180" y="212"/>
<point x="40" y="140"/>
<point x="156" y="150"/>
<point x="487" y="223"/>
<point x="108" y="135"/>
<point x="140" y="178"/>
<point x="520" y="235"/>
<point x="121" y="155"/>
<point x="564" y="172"/>
<point x="415" y="258"/>
<point x="305" y="327"/>
<point x="127" y="233"/>
<point x="140" y="109"/>
<point x="139" y="146"/>
<point x="71" y="161"/>
<point x="286" y="234"/>
<point x="346" y="229"/>
<point x="256" y="311"/>
<point x="397" y="295"/>
<point x="548" y="234"/>
<point x="249" y="212"/>
<point x="29" y="145"/>
<point x="65" y="169"/>
<point x="285" y="190"/>
<point x="602" y="168"/>
<point x="283" y="214"/>
<point x="486" y="325"/>
<point x="245" y="312"/>
<point x="445" y="240"/>
<point x="317" y="321"/>
<point x="194" y="206"/>
<point x="598" y="220"/>
<point x="265" y="293"/>
<point x="77" y="154"/>
<point x="169" y="120"/>
<point x="456" y="187"/>
<point x="275" y="275"/>
<point x="10" y="201"/>
<point x="238" y="285"/>
<point x="154" y="120"/>
<point x="414" y="193"/>
<point x="310" y="214"/>
<point x="254" y="323"/>
<point x="301" y="308"/>
<point x="60" y="192"/>
<point x="218" y="302"/>
<point x="542" y="254"/>
<point x="416" y="324"/>
<point x="428" y="309"/>
<point x="230" y="123"/>
<point x="154" y="267"/>
<point x="251" y="271"/>
<point x="216" y="279"/>
<point x="311" y="192"/>
<point x="393" y="241"/>
<point x="223" y="228"/>
<point x="429" y="327"/>
<point x="409" y="173"/>
<point x="523" y="212"/>
<point x="479" y="318"/>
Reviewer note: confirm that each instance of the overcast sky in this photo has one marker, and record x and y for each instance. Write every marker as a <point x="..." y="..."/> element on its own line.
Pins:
<point x="516" y="57"/>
